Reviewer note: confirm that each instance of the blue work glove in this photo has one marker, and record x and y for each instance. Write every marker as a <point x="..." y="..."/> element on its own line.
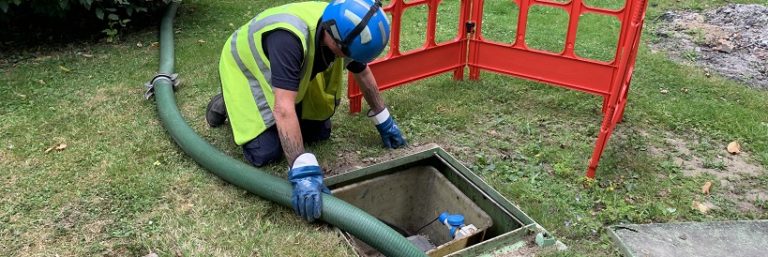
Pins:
<point x="390" y="133"/>
<point x="307" y="180"/>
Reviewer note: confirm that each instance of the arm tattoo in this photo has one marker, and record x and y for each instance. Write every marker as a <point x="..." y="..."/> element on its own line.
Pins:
<point x="288" y="125"/>
<point x="370" y="90"/>
<point x="291" y="146"/>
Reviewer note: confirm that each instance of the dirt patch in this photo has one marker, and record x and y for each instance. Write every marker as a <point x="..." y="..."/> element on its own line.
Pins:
<point x="350" y="160"/>
<point x="731" y="40"/>
<point x="734" y="173"/>
<point x="724" y="167"/>
<point x="757" y="195"/>
<point x="528" y="248"/>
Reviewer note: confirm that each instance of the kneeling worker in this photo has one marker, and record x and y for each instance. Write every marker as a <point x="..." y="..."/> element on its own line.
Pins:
<point x="281" y="78"/>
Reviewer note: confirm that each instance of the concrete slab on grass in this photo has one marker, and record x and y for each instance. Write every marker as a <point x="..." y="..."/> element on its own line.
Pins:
<point x="715" y="239"/>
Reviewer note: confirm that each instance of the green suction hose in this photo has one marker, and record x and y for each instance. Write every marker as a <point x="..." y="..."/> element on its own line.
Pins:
<point x="336" y="212"/>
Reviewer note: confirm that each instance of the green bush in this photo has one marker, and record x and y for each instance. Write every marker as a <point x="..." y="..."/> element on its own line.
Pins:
<point x="114" y="14"/>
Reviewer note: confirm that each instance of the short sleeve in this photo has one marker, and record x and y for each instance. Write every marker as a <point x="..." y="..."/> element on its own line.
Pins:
<point x="356" y="67"/>
<point x="285" y="54"/>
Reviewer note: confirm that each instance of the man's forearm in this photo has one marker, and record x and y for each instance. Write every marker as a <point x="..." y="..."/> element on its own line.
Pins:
<point x="370" y="89"/>
<point x="288" y="124"/>
<point x="290" y="135"/>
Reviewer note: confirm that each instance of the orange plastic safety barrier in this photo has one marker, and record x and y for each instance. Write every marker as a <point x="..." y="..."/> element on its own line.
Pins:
<point x="610" y="80"/>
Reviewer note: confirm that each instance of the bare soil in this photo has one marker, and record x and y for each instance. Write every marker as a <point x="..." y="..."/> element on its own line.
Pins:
<point x="731" y="40"/>
<point x="735" y="180"/>
<point x="350" y="160"/>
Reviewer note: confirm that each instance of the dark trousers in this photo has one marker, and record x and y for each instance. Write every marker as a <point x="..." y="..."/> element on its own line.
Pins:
<point x="266" y="147"/>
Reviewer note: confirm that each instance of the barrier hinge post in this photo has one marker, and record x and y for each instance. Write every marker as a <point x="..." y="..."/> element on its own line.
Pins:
<point x="470" y="26"/>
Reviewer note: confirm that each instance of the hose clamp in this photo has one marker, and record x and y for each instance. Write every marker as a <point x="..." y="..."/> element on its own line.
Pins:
<point x="171" y="78"/>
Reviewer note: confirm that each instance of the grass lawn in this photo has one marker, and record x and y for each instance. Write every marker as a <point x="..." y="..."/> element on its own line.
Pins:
<point x="121" y="187"/>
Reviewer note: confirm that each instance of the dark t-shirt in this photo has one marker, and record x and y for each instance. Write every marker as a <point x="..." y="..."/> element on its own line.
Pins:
<point x="285" y="55"/>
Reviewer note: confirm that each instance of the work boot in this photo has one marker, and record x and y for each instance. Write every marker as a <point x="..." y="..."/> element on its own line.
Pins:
<point x="216" y="113"/>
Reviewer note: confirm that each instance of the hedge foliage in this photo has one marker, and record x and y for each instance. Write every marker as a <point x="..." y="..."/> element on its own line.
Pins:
<point x="114" y="13"/>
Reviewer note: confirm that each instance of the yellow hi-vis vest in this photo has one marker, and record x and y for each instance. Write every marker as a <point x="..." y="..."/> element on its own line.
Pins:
<point x="246" y="77"/>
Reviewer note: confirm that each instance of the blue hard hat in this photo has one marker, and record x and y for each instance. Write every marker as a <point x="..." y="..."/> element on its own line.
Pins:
<point x="359" y="27"/>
